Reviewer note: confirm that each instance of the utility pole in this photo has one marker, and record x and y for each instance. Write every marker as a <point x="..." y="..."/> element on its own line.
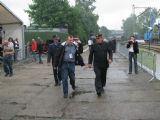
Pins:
<point x="134" y="8"/>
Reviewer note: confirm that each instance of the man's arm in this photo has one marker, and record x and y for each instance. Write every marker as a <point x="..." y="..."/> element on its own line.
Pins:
<point x="49" y="54"/>
<point x="58" y="56"/>
<point x="109" y="51"/>
<point x="90" y="58"/>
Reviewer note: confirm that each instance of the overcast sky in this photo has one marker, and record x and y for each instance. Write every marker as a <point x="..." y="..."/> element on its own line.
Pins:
<point x="111" y="12"/>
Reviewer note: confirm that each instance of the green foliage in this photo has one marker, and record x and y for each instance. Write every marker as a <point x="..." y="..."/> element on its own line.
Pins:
<point x="129" y="26"/>
<point x="139" y="24"/>
<point x="50" y="12"/>
<point x="79" y="19"/>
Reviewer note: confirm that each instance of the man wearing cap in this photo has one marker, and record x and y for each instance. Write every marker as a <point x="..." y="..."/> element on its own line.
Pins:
<point x="99" y="52"/>
<point x="8" y="52"/>
<point x="52" y="50"/>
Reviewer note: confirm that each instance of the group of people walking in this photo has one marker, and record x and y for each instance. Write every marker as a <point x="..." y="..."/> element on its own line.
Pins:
<point x="64" y="56"/>
<point x="68" y="54"/>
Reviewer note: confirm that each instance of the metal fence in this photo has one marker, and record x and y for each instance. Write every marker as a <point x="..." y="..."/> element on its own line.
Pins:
<point x="147" y="60"/>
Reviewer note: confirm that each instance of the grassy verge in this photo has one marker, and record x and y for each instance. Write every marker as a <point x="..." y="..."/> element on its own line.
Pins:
<point x="146" y="58"/>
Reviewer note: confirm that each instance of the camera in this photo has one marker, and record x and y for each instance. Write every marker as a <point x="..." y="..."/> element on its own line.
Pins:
<point x="130" y="42"/>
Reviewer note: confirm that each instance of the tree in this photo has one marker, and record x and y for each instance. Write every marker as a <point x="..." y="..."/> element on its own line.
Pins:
<point x="50" y="12"/>
<point x="79" y="19"/>
<point x="88" y="17"/>
<point x="139" y="24"/>
<point x="129" y="26"/>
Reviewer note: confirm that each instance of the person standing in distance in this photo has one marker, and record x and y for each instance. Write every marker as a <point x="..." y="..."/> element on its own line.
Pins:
<point x="133" y="49"/>
<point x="99" y="51"/>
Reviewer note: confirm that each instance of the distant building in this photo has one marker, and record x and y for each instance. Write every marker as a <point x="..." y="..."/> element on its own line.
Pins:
<point x="117" y="34"/>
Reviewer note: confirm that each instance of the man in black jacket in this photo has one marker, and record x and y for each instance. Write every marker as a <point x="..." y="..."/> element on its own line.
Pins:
<point x="133" y="49"/>
<point x="99" y="52"/>
<point x="65" y="58"/>
<point x="52" y="50"/>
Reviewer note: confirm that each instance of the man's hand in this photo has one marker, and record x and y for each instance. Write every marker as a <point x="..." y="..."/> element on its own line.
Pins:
<point x="89" y="65"/>
<point x="109" y="61"/>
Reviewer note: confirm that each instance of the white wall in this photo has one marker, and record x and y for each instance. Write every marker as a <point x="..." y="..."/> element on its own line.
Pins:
<point x="16" y="31"/>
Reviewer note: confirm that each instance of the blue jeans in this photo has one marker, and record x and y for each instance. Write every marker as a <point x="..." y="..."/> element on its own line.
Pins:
<point x="7" y="64"/>
<point x="67" y="70"/>
<point x="133" y="56"/>
<point x="34" y="56"/>
<point x="40" y="57"/>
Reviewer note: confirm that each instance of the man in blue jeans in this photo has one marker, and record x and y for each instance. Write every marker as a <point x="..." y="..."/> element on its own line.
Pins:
<point x="133" y="49"/>
<point x="66" y="57"/>
<point x="7" y="59"/>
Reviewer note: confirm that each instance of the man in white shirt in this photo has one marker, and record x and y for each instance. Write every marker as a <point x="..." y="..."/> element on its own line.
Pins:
<point x="90" y="43"/>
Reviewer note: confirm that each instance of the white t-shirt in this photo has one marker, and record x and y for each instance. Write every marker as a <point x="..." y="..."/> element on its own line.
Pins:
<point x="10" y="44"/>
<point x="131" y="48"/>
<point x="90" y="42"/>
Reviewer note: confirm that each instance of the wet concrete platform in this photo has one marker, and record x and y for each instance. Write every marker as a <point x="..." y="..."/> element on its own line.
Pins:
<point x="31" y="95"/>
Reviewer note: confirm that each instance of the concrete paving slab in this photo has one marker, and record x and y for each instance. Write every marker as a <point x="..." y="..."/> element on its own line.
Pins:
<point x="8" y="111"/>
<point x="113" y="111"/>
<point x="49" y="103"/>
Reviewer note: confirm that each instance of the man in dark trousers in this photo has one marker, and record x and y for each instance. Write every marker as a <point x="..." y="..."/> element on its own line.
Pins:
<point x="133" y="49"/>
<point x="66" y="58"/>
<point x="52" y="50"/>
<point x="99" y="51"/>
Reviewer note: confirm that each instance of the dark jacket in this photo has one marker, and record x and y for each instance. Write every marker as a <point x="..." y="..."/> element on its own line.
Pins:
<point x="52" y="50"/>
<point x="40" y="48"/>
<point x="59" y="57"/>
<point x="100" y="52"/>
<point x="135" y="46"/>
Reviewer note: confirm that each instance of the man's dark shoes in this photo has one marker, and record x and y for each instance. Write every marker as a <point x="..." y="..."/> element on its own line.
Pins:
<point x="10" y="75"/>
<point x="99" y="94"/>
<point x="129" y="73"/>
<point x="73" y="87"/>
<point x="102" y="90"/>
<point x="6" y="75"/>
<point x="65" y="96"/>
<point x="56" y="84"/>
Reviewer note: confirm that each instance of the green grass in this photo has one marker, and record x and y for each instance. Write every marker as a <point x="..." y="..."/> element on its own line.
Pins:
<point x="147" y="59"/>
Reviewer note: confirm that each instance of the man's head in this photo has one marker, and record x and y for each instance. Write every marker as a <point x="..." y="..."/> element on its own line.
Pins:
<point x="69" y="39"/>
<point x="10" y="39"/>
<point x="99" y="38"/>
<point x="55" y="38"/>
<point x="132" y="38"/>
<point x="33" y="40"/>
